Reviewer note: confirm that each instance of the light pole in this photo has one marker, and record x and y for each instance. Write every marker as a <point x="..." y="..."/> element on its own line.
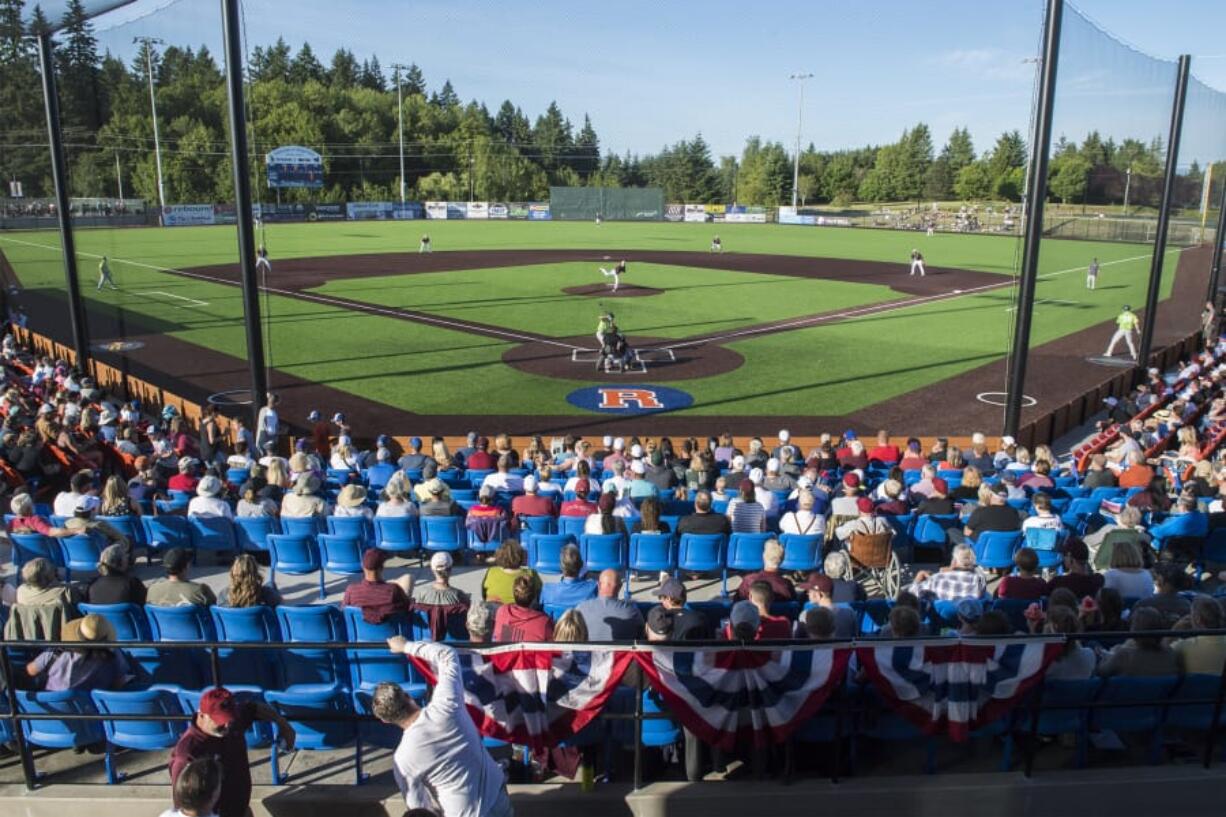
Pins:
<point x="148" y="43"/>
<point x="400" y="120"/>
<point x="800" y="115"/>
<point x="1127" y="185"/>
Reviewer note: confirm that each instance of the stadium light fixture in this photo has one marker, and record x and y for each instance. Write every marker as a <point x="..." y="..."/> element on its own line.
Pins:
<point x="148" y="43"/>
<point x="397" y="68"/>
<point x="800" y="114"/>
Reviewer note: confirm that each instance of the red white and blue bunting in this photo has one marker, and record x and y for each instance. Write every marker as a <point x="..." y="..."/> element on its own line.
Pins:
<point x="956" y="686"/>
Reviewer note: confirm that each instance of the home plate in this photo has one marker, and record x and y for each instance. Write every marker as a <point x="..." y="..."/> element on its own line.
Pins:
<point x="957" y="292"/>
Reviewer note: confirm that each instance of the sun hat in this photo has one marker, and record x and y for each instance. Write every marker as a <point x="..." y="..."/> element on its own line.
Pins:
<point x="638" y="467"/>
<point x="351" y="496"/>
<point x="306" y="484"/>
<point x="92" y="628"/>
<point x="209" y="486"/>
<point x="441" y="561"/>
<point x="436" y="487"/>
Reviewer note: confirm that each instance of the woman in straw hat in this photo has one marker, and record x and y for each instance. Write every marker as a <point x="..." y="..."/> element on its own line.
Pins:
<point x="84" y="667"/>
<point x="304" y="500"/>
<point x="352" y="502"/>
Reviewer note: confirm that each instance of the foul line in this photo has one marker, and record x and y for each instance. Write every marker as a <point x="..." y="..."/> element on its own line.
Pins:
<point x="172" y="295"/>
<point x="324" y="299"/>
<point x="890" y="306"/>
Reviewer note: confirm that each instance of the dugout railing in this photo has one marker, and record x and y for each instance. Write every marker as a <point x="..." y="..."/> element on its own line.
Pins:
<point x="846" y="708"/>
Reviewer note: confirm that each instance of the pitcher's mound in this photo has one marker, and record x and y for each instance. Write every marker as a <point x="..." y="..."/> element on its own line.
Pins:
<point x="606" y="291"/>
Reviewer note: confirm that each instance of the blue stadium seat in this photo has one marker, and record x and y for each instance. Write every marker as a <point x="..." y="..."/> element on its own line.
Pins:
<point x="352" y="527"/>
<point x="476" y="476"/>
<point x="316" y="623"/>
<point x="545" y="552"/>
<point x="903" y="543"/>
<point x="994" y="549"/>
<point x="603" y="551"/>
<point x="164" y="532"/>
<point x="801" y="552"/>
<point x="59" y="734"/>
<point x="296" y="555"/>
<point x="130" y="624"/>
<point x="303" y="525"/>
<point x="212" y="533"/>
<point x="1064" y="711"/>
<point x="138" y="735"/>
<point x="1014" y="610"/>
<point x="251" y="625"/>
<point x="658" y="731"/>
<point x="744" y="553"/>
<point x="1138" y="707"/>
<point x="1044" y="542"/>
<point x="370" y="666"/>
<point x="129" y="525"/>
<point x="397" y="534"/>
<point x="537" y="524"/>
<point x="80" y="553"/>
<point x="929" y="531"/>
<point x="237" y="476"/>
<point x="443" y="533"/>
<point x="252" y="532"/>
<point x="339" y="554"/>
<point x="1195" y="717"/>
<point x="29" y="546"/>
<point x="188" y="668"/>
<point x="702" y="552"/>
<point x="302" y="708"/>
<point x="651" y="553"/>
<point x="571" y="526"/>
<point x="490" y="543"/>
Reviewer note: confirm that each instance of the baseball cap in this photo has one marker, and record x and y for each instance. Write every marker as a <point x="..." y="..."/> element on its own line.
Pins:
<point x="864" y="505"/>
<point x="744" y="612"/>
<point x="219" y="704"/>
<point x="88" y="504"/>
<point x="755" y="476"/>
<point x="607" y="441"/>
<point x="415" y="442"/>
<point x="940" y="485"/>
<point x="636" y="450"/>
<point x="817" y="581"/>
<point x="784" y="436"/>
<point x="619" y="444"/>
<point x="1007" y="441"/>
<point x="970" y="609"/>
<point x="638" y="467"/>
<point x="373" y="559"/>
<point x="338" y="418"/>
<point x="439" y="561"/>
<point x="659" y="621"/>
<point x="849" y="434"/>
<point x="772" y="464"/>
<point x="670" y="589"/>
<point x="313" y="416"/>
<point x="1000" y="489"/>
<point x="530" y="483"/>
<point x="436" y="487"/>
<point x="851" y="480"/>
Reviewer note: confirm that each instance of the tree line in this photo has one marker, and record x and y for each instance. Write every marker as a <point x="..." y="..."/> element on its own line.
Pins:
<point x="348" y="110"/>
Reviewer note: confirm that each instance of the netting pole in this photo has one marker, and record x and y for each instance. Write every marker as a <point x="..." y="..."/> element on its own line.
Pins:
<point x="1215" y="269"/>
<point x="231" y="26"/>
<point x="1036" y="193"/>
<point x="1164" y="217"/>
<point x="59" y="177"/>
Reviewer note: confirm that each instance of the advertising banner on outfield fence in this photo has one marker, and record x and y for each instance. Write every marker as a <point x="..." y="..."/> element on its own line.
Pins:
<point x="790" y="215"/>
<point x="457" y="209"/>
<point x="368" y="210"/>
<point x="436" y="209"/>
<point x="715" y="212"/>
<point x="517" y="209"/>
<point x="539" y="212"/>
<point x="498" y="210"/>
<point x="674" y="212"/>
<point x="271" y="212"/>
<point x="740" y="214"/>
<point x="696" y="213"/>
<point x="830" y="221"/>
<point x="187" y="215"/>
<point x="477" y="209"/>
<point x="225" y="214"/>
<point x="294" y="166"/>
<point x="326" y="212"/>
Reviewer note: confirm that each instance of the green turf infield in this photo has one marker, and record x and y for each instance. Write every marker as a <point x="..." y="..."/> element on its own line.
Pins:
<point x="827" y="369"/>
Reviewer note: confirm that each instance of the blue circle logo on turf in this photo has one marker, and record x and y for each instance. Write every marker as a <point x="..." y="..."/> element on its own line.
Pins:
<point x="622" y="399"/>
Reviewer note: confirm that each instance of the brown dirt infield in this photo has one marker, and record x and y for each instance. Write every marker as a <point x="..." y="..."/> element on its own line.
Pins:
<point x="692" y="362"/>
<point x="1058" y="372"/>
<point x="603" y="291"/>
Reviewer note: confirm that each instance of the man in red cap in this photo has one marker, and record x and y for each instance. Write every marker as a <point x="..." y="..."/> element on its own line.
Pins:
<point x="865" y="522"/>
<point x="938" y="502"/>
<point x="845" y="505"/>
<point x="820" y="591"/>
<point x="218" y="730"/>
<point x="379" y="600"/>
<point x="579" y="506"/>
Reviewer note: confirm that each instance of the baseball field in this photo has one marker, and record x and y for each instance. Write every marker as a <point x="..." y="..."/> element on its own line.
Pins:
<point x="800" y="324"/>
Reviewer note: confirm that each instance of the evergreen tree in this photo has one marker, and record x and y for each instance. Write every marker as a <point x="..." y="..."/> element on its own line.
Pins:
<point x="446" y="97"/>
<point x="77" y="64"/>
<point x="372" y="75"/>
<point x="305" y="67"/>
<point x="414" y="81"/>
<point x="587" y="150"/>
<point x="343" y="72"/>
<point x="959" y="151"/>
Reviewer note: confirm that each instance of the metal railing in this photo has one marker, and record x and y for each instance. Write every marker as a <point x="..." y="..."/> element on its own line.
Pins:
<point x="846" y="709"/>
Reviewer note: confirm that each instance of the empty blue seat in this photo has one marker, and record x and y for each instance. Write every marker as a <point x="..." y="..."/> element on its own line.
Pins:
<point x="443" y="533"/>
<point x="214" y="533"/>
<point x="138" y="735"/>
<point x="368" y="667"/>
<point x="29" y="546"/>
<point x="317" y="624"/>
<point x="1064" y="710"/>
<point x="651" y="553"/>
<point x="537" y="524"/>
<point x="571" y="526"/>
<point x="129" y="525"/>
<point x="188" y="668"/>
<point x="603" y="551"/>
<point x="397" y="534"/>
<point x="339" y="554"/>
<point x="1138" y="705"/>
<point x="545" y="552"/>
<point x="237" y="476"/>
<point x="164" y="532"/>
<point x="302" y="525"/>
<point x="59" y="734"/>
<point x="994" y="549"/>
<point x="701" y="552"/>
<point x="801" y="552"/>
<point x="295" y="555"/>
<point x="251" y="625"/>
<point x="355" y="527"/>
<point x="252" y="532"/>
<point x="1044" y="542"/>
<point x="303" y="707"/>
<point x="79" y="553"/>
<point x="930" y="530"/>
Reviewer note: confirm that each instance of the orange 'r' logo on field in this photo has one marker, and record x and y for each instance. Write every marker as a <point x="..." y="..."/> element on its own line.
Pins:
<point x="622" y="398"/>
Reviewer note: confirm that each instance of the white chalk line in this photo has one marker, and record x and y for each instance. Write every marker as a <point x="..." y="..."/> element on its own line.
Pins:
<point x="172" y="295"/>
<point x="324" y="299"/>
<point x="1047" y="301"/>
<point x="890" y="306"/>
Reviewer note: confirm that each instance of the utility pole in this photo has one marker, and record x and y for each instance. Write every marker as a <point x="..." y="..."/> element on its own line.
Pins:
<point x="396" y="67"/>
<point x="148" y="43"/>
<point x="1127" y="186"/>
<point x="800" y="115"/>
<point x="119" y="177"/>
<point x="471" y="181"/>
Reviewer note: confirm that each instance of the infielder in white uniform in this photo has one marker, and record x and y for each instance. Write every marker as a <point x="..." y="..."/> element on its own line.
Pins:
<point x="1092" y="274"/>
<point x="104" y="275"/>
<point x="716" y="245"/>
<point x="616" y="273"/>
<point x="261" y="260"/>
<point x="424" y="246"/>
<point x="1126" y="323"/>
<point x="917" y="263"/>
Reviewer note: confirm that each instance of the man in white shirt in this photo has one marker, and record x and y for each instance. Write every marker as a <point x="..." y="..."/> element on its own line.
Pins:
<point x="440" y="763"/>
<point x="268" y="424"/>
<point x="66" y="502"/>
<point x="618" y="482"/>
<point x="502" y="479"/>
<point x="208" y="501"/>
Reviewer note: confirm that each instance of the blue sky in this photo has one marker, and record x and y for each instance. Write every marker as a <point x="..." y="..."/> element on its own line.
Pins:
<point x="650" y="73"/>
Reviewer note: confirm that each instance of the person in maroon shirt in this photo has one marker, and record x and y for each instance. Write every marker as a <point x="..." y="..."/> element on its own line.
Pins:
<point x="780" y="585"/>
<point x="378" y="600"/>
<point x="518" y="621"/>
<point x="1077" y="575"/>
<point x="770" y="626"/>
<point x="217" y="730"/>
<point x="1026" y="583"/>
<point x="530" y="504"/>
<point x="481" y="459"/>
<point x="321" y="436"/>
<point x="884" y="452"/>
<point x="580" y="505"/>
